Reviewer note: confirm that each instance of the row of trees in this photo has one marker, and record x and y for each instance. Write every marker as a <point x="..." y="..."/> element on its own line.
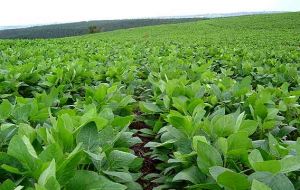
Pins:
<point x="81" y="28"/>
<point x="94" y="29"/>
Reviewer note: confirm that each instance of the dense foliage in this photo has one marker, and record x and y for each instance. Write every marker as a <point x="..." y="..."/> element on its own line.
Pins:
<point x="220" y="97"/>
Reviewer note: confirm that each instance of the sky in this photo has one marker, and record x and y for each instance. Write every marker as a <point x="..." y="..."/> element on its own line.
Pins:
<point x="33" y="12"/>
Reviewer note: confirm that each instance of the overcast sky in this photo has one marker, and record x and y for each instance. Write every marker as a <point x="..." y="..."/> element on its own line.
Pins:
<point x="26" y="12"/>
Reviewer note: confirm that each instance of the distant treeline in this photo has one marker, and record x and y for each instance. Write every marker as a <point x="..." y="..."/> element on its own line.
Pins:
<point x="81" y="28"/>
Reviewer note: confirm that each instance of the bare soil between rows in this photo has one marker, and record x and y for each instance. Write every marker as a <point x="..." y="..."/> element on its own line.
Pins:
<point x="141" y="151"/>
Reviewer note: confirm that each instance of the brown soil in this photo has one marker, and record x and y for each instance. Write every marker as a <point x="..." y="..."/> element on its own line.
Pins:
<point x="141" y="151"/>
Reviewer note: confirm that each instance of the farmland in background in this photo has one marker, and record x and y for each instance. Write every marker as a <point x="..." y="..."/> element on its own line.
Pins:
<point x="82" y="28"/>
<point x="211" y="104"/>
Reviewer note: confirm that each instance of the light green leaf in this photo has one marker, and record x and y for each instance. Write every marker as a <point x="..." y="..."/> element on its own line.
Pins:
<point x="273" y="166"/>
<point x="233" y="181"/>
<point x="64" y="132"/>
<point x="119" y="159"/>
<point x="223" y="126"/>
<point x="5" y="109"/>
<point x="47" y="173"/>
<point x="67" y="168"/>
<point x="121" y="177"/>
<point x="257" y="185"/>
<point x="122" y="121"/>
<point x="275" y="182"/>
<point x="196" y="139"/>
<point x="255" y="156"/>
<point x="148" y="107"/>
<point x="182" y="123"/>
<point x="238" y="143"/>
<point x="88" y="136"/>
<point x="126" y="100"/>
<point x="215" y="171"/>
<point x="52" y="151"/>
<point x="21" y="149"/>
<point x="258" y="164"/>
<point x="238" y="122"/>
<point x="21" y="113"/>
<point x="249" y="126"/>
<point x="28" y="131"/>
<point x="222" y="145"/>
<point x="7" y="185"/>
<point x="208" y="156"/>
<point x="290" y="164"/>
<point x="88" y="180"/>
<point x="191" y="174"/>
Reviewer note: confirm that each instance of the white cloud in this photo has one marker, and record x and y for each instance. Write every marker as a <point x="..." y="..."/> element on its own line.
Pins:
<point x="21" y="12"/>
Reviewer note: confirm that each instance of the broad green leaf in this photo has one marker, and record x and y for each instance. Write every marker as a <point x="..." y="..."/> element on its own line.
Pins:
<point x="148" y="107"/>
<point x="38" y="113"/>
<point x="191" y="174"/>
<point x="222" y="145"/>
<point x="234" y="181"/>
<point x="5" y="109"/>
<point x="13" y="162"/>
<point x="47" y="173"/>
<point x="210" y="186"/>
<point x="269" y="124"/>
<point x="285" y="130"/>
<point x="119" y="159"/>
<point x="7" y="131"/>
<point x="242" y="87"/>
<point x="20" y="187"/>
<point x="290" y="164"/>
<point x="7" y="185"/>
<point x="11" y="169"/>
<point x="257" y="185"/>
<point x="88" y="136"/>
<point x="196" y="139"/>
<point x="126" y="100"/>
<point x="100" y="93"/>
<point x="97" y="159"/>
<point x="272" y="113"/>
<point x="238" y="143"/>
<point x="90" y="114"/>
<point x="133" y="186"/>
<point x="224" y="126"/>
<point x="65" y="132"/>
<point x="273" y="166"/>
<point x="275" y="182"/>
<point x="260" y="110"/>
<point x="21" y="113"/>
<point x="28" y="131"/>
<point x="88" y="180"/>
<point x="198" y="114"/>
<point x="275" y="148"/>
<point x="21" y="149"/>
<point x="249" y="126"/>
<point x="52" y="184"/>
<point x="182" y="123"/>
<point x="122" y="122"/>
<point x="258" y="164"/>
<point x="121" y="177"/>
<point x="208" y="156"/>
<point x="238" y="122"/>
<point x="52" y="151"/>
<point x="180" y="103"/>
<point x="215" y="171"/>
<point x="255" y="156"/>
<point x="67" y="168"/>
<point x="29" y="147"/>
<point x="166" y="101"/>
